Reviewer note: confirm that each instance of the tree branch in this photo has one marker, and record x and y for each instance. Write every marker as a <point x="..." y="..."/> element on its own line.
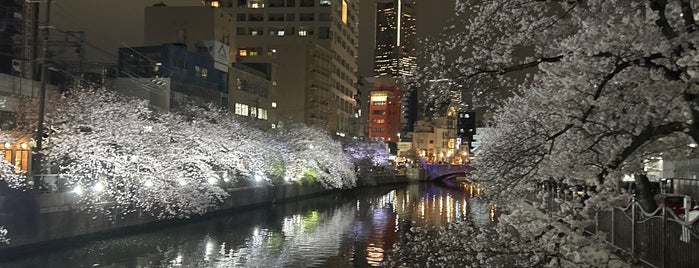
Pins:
<point x="660" y="6"/>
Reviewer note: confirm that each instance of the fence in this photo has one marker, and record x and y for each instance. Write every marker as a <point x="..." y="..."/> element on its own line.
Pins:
<point x="657" y="239"/>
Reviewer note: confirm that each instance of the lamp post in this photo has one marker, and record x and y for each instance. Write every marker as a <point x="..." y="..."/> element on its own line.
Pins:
<point x="36" y="162"/>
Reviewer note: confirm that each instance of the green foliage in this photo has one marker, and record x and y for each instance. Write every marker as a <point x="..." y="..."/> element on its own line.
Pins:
<point x="309" y="177"/>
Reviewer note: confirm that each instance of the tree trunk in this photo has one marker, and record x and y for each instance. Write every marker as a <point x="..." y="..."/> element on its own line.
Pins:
<point x="645" y="193"/>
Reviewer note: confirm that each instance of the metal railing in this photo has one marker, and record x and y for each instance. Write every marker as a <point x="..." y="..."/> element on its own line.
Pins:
<point x="657" y="238"/>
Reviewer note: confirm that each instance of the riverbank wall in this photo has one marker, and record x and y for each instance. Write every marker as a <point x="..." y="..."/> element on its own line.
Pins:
<point x="38" y="221"/>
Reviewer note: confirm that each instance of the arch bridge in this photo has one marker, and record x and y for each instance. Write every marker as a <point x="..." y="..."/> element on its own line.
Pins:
<point x="439" y="172"/>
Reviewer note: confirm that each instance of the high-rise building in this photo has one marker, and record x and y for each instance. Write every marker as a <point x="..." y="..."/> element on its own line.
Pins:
<point x="313" y="44"/>
<point x="395" y="38"/>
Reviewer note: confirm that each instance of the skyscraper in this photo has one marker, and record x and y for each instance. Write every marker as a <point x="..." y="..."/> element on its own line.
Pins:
<point x="395" y="38"/>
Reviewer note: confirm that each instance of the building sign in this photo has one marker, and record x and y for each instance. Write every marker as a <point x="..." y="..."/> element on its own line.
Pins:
<point x="405" y="146"/>
<point x="220" y="52"/>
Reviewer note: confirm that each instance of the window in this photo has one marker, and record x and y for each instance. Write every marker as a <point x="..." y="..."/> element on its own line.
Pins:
<point x="261" y="114"/>
<point x="241" y="17"/>
<point x="256" y="4"/>
<point x="303" y="33"/>
<point x="290" y="16"/>
<point x="307" y="3"/>
<point x="325" y="3"/>
<point x="275" y="17"/>
<point x="306" y="17"/>
<point x="243" y="52"/>
<point x="201" y="71"/>
<point x="344" y="11"/>
<point x="241" y="31"/>
<point x="256" y="17"/>
<point x="241" y="109"/>
<point x="242" y="3"/>
<point x="378" y="121"/>
<point x="323" y="33"/>
<point x="379" y="112"/>
<point x="254" y="51"/>
<point x="290" y="3"/>
<point x="379" y="103"/>
<point x="256" y="31"/>
<point x="378" y="130"/>
<point x="276" y="3"/>
<point x="274" y="104"/>
<point x="271" y="52"/>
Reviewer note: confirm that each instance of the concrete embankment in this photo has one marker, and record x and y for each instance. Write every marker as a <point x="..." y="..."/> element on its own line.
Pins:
<point x="44" y="221"/>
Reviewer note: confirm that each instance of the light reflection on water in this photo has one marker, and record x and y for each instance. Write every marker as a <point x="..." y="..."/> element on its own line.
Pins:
<point x="357" y="229"/>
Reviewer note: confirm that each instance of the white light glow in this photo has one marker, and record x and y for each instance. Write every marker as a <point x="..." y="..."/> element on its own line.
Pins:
<point x="78" y="190"/>
<point x="98" y="187"/>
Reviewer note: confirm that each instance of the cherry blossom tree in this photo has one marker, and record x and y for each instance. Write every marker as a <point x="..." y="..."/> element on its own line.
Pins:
<point x="367" y="155"/>
<point x="592" y="90"/>
<point x="314" y="154"/>
<point x="114" y="150"/>
<point x="607" y="84"/>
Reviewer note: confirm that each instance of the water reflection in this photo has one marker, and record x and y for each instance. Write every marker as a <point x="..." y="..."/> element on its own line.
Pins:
<point x="349" y="229"/>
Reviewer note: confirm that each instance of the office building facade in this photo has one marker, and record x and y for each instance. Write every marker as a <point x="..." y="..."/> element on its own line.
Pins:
<point x="313" y="46"/>
<point x="395" y="53"/>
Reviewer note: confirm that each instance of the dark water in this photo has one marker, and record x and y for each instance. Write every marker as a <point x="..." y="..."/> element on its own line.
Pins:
<point x="352" y="229"/>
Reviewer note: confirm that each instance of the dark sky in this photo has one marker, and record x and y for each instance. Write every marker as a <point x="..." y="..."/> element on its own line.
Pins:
<point x="112" y="24"/>
<point x="431" y="17"/>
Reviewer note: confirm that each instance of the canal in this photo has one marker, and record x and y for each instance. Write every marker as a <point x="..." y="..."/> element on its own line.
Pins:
<point x="350" y="229"/>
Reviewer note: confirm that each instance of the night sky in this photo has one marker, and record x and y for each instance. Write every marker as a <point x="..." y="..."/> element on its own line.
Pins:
<point x="113" y="24"/>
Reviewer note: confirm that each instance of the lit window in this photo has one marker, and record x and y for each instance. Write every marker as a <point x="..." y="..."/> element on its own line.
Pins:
<point x="303" y="33"/>
<point x="274" y="104"/>
<point x="271" y="52"/>
<point x="344" y="11"/>
<point x="214" y="4"/>
<point x="252" y="53"/>
<point x="255" y="32"/>
<point x="242" y="52"/>
<point x="241" y="109"/>
<point x="261" y="114"/>
<point x="280" y="33"/>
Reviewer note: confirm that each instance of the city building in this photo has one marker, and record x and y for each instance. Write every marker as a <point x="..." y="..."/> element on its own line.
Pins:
<point x="313" y="45"/>
<point x="396" y="31"/>
<point x="12" y="26"/>
<point x="250" y="89"/>
<point x="395" y="51"/>
<point x="384" y="110"/>
<point x="434" y="139"/>
<point x="169" y="76"/>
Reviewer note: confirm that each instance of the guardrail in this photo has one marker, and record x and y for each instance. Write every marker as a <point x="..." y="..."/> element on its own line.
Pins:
<point x="657" y="238"/>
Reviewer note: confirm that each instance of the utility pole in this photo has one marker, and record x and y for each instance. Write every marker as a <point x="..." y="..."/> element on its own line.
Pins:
<point x="38" y="155"/>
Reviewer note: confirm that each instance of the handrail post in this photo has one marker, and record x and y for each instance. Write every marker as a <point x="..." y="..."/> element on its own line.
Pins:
<point x="633" y="228"/>
<point x="613" y="221"/>
<point x="663" y="241"/>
